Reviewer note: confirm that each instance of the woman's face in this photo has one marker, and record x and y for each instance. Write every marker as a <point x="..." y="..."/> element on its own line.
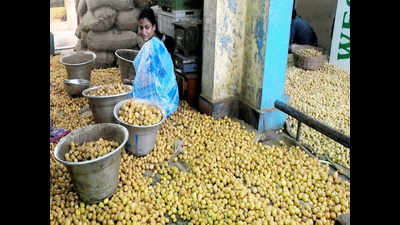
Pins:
<point x="146" y="29"/>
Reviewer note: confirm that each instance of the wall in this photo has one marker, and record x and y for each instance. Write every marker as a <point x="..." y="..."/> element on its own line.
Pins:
<point x="254" y="54"/>
<point x="71" y="16"/>
<point x="223" y="46"/>
<point x="230" y="38"/>
<point x="209" y="32"/>
<point x="320" y="15"/>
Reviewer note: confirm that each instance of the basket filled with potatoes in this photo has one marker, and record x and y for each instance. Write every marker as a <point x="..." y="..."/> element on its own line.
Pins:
<point x="308" y="57"/>
<point x="143" y="119"/>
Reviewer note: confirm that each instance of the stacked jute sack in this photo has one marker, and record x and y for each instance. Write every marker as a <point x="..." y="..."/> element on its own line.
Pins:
<point x="107" y="25"/>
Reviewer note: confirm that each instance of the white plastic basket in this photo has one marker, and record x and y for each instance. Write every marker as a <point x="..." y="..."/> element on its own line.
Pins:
<point x="166" y="19"/>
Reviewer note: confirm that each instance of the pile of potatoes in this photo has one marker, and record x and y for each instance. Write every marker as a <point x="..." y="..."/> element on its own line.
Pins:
<point x="139" y="114"/>
<point x="323" y="94"/>
<point x="231" y="179"/>
<point x="309" y="52"/>
<point x="110" y="89"/>
<point x="89" y="150"/>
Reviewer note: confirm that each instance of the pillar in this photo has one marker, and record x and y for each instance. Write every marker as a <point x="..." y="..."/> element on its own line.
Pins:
<point x="223" y="47"/>
<point x="245" y="48"/>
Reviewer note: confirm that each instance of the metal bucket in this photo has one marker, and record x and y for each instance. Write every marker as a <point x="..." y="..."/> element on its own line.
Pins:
<point x="75" y="87"/>
<point x="97" y="179"/>
<point x="125" y="63"/>
<point x="141" y="138"/>
<point x="102" y="106"/>
<point x="78" y="64"/>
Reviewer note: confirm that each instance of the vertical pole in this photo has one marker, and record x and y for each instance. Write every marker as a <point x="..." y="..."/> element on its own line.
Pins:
<point x="276" y="53"/>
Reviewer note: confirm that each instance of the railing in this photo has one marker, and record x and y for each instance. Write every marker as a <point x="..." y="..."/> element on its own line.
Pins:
<point x="315" y="124"/>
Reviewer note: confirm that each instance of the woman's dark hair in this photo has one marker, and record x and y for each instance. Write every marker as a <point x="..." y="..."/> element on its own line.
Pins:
<point x="148" y="13"/>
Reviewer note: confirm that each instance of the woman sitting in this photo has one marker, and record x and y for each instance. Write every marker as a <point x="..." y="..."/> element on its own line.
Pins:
<point x="155" y="77"/>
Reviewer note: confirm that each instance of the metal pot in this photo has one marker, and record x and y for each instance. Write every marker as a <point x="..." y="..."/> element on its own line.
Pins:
<point x="97" y="179"/>
<point x="141" y="138"/>
<point x="102" y="106"/>
<point x="125" y="58"/>
<point x="74" y="87"/>
<point x="78" y="64"/>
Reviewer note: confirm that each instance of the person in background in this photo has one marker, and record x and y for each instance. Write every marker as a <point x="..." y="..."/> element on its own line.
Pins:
<point x="301" y="32"/>
<point x="155" y="76"/>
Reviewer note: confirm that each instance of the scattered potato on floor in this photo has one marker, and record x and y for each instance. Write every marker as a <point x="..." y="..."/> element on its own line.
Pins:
<point x="231" y="179"/>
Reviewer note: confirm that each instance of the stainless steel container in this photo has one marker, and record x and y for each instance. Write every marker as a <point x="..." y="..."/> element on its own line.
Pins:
<point x="74" y="87"/>
<point x="141" y="138"/>
<point x="78" y="64"/>
<point x="125" y="59"/>
<point x="102" y="106"/>
<point x="97" y="179"/>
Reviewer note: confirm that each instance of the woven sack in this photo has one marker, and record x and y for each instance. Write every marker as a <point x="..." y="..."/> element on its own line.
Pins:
<point x="128" y="20"/>
<point x="115" y="4"/>
<point x="111" y="40"/>
<point x="101" y="19"/>
<point x="104" y="59"/>
<point x="140" y="41"/>
<point x="81" y="9"/>
<point x="80" y="46"/>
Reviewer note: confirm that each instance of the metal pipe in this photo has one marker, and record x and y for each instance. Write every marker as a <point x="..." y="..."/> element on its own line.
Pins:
<point x="315" y="124"/>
